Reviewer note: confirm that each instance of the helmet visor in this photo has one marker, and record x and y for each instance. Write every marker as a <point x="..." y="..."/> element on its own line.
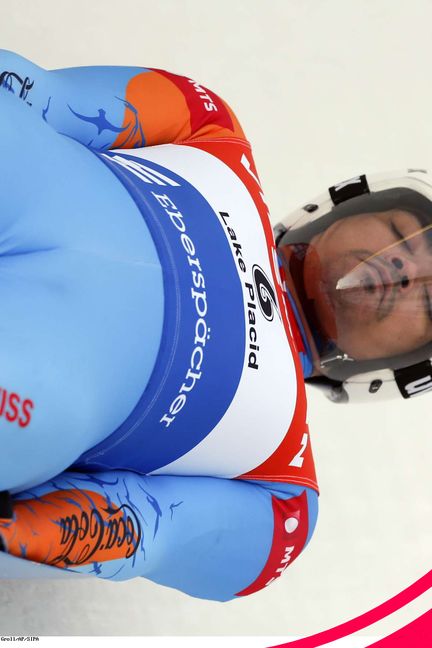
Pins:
<point x="362" y="277"/>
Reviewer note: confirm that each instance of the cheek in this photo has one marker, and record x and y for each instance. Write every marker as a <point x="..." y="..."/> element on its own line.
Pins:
<point x="410" y="315"/>
<point x="397" y="334"/>
<point x="366" y="342"/>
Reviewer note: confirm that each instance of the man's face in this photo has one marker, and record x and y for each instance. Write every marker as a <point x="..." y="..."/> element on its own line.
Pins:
<point x="372" y="284"/>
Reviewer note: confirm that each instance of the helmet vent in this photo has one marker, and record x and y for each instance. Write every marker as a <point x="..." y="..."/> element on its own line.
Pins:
<point x="374" y="386"/>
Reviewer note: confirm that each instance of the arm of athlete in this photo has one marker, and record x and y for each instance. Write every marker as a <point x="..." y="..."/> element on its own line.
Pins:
<point x="211" y="538"/>
<point x="107" y="107"/>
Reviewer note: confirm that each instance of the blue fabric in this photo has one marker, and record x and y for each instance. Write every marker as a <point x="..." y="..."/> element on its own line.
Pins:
<point x="78" y="269"/>
<point x="205" y="536"/>
<point x="306" y="357"/>
<point x="86" y="103"/>
<point x="80" y="342"/>
<point x="204" y="326"/>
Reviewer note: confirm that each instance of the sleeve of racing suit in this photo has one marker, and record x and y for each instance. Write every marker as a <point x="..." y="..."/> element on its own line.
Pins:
<point x="108" y="107"/>
<point x="211" y="538"/>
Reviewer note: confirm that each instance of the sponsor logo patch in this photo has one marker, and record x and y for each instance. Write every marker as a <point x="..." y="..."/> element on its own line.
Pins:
<point x="289" y="538"/>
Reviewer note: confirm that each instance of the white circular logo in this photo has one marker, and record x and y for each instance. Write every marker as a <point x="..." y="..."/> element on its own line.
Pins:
<point x="291" y="524"/>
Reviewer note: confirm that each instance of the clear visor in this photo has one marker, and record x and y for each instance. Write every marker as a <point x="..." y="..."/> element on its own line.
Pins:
<point x="362" y="279"/>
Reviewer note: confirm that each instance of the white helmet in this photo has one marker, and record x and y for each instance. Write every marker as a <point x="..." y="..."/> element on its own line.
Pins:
<point x="367" y="270"/>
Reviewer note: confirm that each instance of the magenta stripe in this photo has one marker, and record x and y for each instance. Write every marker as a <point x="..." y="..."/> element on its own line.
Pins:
<point x="358" y="623"/>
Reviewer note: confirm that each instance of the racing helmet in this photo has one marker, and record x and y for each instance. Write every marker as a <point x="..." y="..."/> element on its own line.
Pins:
<point x="359" y="263"/>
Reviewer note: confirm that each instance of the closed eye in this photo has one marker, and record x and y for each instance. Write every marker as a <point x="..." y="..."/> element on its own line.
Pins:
<point x="428" y="304"/>
<point x="398" y="234"/>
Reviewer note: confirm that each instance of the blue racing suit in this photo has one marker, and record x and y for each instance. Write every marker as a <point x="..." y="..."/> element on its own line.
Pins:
<point x="152" y="404"/>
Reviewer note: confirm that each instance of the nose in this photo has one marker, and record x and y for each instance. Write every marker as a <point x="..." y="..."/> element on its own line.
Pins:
<point x="407" y="271"/>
